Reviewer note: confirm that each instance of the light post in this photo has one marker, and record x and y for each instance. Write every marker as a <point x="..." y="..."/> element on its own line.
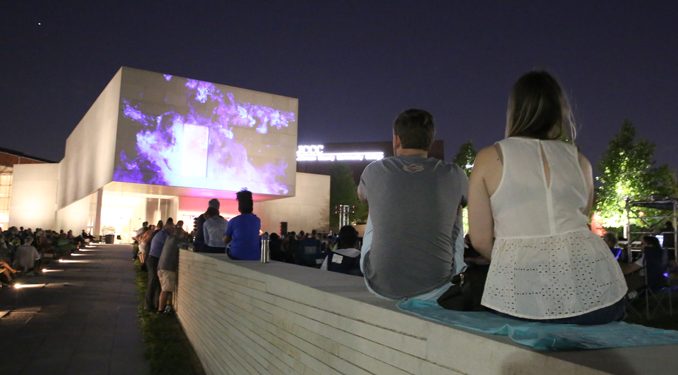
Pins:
<point x="344" y="211"/>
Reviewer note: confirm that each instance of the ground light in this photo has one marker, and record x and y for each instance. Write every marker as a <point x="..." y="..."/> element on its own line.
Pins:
<point x="49" y="270"/>
<point x="73" y="261"/>
<point x="27" y="286"/>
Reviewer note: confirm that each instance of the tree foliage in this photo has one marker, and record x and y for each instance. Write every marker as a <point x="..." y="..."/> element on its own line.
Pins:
<point x="343" y="190"/>
<point x="627" y="170"/>
<point x="465" y="157"/>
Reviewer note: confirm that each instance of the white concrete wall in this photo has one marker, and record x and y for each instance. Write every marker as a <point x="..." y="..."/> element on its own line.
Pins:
<point x="90" y="149"/>
<point x="78" y="215"/>
<point x="34" y="196"/>
<point x="277" y="318"/>
<point x="306" y="211"/>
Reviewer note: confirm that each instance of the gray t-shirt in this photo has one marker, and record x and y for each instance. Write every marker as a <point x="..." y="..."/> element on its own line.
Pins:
<point x="414" y="212"/>
<point x="169" y="259"/>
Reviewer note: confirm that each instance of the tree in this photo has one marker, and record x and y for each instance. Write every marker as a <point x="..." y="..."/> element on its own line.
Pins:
<point x="627" y="170"/>
<point x="465" y="157"/>
<point x="343" y="190"/>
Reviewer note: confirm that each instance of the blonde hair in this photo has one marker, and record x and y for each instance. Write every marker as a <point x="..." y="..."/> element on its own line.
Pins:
<point x="538" y="108"/>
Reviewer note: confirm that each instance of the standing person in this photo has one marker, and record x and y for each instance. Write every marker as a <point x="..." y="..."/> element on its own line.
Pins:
<point x="199" y="239"/>
<point x="242" y="234"/>
<point x="157" y="243"/>
<point x="168" y="266"/>
<point x="137" y="236"/>
<point x="179" y="230"/>
<point x="413" y="242"/>
<point x="214" y="230"/>
<point x="529" y="201"/>
<point x="145" y="245"/>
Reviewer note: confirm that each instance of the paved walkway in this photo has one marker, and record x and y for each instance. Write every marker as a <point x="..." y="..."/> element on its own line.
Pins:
<point x="82" y="321"/>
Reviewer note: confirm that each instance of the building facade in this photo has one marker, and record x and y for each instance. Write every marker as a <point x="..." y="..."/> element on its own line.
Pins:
<point x="154" y="146"/>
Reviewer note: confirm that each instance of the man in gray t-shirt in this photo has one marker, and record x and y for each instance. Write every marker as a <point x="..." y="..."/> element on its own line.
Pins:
<point x="415" y="214"/>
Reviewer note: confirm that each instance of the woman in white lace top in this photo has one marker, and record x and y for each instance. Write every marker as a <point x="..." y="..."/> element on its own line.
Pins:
<point x="530" y="195"/>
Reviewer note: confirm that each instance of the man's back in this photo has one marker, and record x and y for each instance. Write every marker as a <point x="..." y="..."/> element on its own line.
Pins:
<point x="413" y="210"/>
<point x="25" y="257"/>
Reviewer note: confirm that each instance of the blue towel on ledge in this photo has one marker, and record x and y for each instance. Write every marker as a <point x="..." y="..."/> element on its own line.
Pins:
<point x="544" y="336"/>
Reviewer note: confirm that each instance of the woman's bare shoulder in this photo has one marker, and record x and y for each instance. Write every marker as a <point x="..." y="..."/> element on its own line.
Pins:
<point x="488" y="156"/>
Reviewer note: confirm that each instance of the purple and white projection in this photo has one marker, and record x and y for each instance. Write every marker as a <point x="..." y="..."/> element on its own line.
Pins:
<point x="208" y="140"/>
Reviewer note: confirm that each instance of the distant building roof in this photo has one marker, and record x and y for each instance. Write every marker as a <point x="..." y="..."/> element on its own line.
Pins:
<point x="11" y="157"/>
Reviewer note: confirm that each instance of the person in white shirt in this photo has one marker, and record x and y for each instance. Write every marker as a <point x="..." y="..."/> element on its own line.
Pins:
<point x="26" y="256"/>
<point x="530" y="196"/>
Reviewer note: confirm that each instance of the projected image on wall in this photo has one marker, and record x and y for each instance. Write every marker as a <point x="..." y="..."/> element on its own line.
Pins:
<point x="182" y="132"/>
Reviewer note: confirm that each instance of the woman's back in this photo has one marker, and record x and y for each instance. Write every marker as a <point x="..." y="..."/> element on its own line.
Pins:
<point x="546" y="263"/>
<point x="542" y="190"/>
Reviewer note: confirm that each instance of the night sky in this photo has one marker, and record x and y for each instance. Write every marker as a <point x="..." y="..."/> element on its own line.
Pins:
<point x="354" y="65"/>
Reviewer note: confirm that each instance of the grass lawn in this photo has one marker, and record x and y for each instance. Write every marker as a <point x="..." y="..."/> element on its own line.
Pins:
<point x="167" y="348"/>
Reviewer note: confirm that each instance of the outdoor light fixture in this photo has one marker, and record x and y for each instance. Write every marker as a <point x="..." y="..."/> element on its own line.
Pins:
<point x="27" y="286"/>
<point x="48" y="270"/>
<point x="73" y="261"/>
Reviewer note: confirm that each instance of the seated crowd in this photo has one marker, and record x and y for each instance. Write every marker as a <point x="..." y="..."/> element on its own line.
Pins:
<point x="22" y="251"/>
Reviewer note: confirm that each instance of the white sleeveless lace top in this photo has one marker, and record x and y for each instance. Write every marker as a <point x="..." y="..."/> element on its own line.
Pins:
<point x="546" y="263"/>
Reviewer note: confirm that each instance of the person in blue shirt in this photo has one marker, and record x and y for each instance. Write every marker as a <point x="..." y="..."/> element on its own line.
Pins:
<point x="242" y="234"/>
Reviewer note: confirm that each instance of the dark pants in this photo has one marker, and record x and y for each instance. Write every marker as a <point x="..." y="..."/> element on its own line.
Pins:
<point x="153" y="286"/>
<point x="612" y="313"/>
<point x="213" y="250"/>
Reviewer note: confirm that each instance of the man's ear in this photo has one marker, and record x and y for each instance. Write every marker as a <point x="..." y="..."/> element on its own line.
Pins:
<point x="396" y="143"/>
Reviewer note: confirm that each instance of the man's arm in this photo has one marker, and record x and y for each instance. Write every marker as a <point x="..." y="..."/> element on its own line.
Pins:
<point x="228" y="236"/>
<point x="362" y="193"/>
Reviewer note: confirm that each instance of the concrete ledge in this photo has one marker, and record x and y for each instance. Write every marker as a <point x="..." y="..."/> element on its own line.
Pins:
<point x="277" y="318"/>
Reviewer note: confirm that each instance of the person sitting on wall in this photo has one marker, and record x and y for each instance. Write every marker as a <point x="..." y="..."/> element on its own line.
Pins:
<point x="242" y="234"/>
<point x="198" y="222"/>
<point x="413" y="241"/>
<point x="345" y="258"/>
<point x="214" y="229"/>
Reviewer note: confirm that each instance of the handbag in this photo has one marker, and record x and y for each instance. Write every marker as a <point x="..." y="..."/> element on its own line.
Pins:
<point x="466" y="291"/>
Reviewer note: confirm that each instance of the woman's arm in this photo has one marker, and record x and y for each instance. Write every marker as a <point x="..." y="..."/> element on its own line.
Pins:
<point x="587" y="171"/>
<point x="481" y="224"/>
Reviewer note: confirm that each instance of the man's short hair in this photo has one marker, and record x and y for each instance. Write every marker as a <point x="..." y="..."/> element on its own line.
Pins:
<point x="415" y="128"/>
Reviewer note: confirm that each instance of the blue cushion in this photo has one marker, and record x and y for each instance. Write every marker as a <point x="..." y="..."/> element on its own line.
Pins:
<point x="544" y="336"/>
